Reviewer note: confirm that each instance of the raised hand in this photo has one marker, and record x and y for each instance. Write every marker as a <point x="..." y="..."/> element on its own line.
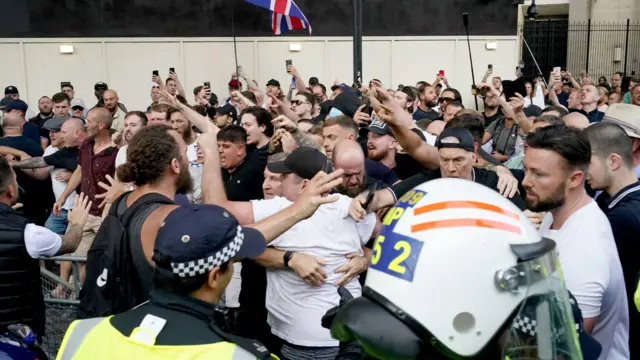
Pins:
<point x="112" y="191"/>
<point x="283" y="122"/>
<point x="80" y="212"/>
<point x="168" y="99"/>
<point x="360" y="117"/>
<point x="316" y="192"/>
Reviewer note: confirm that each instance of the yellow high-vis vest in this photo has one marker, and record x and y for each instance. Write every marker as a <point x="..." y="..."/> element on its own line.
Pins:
<point x="96" y="339"/>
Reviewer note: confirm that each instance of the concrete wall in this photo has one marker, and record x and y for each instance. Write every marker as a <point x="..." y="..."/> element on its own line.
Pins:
<point x="604" y="10"/>
<point x="36" y="66"/>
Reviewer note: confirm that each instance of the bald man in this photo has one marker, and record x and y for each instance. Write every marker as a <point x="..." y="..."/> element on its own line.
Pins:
<point x="348" y="156"/>
<point x="12" y="125"/>
<point x="96" y="160"/>
<point x="576" y="120"/>
<point x="111" y="103"/>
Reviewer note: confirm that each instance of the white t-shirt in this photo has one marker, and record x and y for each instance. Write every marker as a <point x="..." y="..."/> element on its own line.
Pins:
<point x="592" y="273"/>
<point x="59" y="186"/>
<point x="195" y="170"/>
<point x="295" y="308"/>
<point x="41" y="241"/>
<point x="121" y="158"/>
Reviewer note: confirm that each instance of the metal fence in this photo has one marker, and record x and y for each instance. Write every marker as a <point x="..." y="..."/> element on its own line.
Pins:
<point x="599" y="48"/>
<point x="61" y="300"/>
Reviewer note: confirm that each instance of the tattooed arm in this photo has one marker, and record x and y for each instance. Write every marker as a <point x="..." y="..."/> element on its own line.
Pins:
<point x="33" y="163"/>
<point x="304" y="140"/>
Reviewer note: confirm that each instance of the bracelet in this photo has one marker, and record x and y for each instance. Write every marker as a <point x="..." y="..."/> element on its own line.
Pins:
<point x="286" y="257"/>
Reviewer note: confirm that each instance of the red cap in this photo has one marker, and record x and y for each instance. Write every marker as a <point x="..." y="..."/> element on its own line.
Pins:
<point x="234" y="84"/>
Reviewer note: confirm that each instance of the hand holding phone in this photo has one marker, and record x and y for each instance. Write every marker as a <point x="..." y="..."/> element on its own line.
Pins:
<point x="288" y="63"/>
<point x="172" y="70"/>
<point x="156" y="73"/>
<point x="207" y="84"/>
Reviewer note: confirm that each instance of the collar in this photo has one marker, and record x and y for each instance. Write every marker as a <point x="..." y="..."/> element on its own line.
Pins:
<point x="627" y="190"/>
<point x="184" y="304"/>
<point x="6" y="208"/>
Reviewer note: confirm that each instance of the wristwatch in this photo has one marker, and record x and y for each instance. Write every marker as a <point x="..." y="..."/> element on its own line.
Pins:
<point x="286" y="257"/>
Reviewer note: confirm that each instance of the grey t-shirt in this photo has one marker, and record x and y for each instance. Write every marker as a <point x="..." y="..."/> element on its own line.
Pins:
<point x="504" y="139"/>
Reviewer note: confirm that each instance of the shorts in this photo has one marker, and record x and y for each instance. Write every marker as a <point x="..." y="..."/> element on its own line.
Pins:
<point x="89" y="232"/>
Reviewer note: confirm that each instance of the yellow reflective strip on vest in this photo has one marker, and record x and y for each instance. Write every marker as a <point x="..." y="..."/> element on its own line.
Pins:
<point x="75" y="336"/>
<point x="636" y="297"/>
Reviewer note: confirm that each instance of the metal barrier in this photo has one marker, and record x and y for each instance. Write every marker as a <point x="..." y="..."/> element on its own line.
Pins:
<point x="61" y="301"/>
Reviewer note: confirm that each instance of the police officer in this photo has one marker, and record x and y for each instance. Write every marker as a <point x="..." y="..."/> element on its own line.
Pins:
<point x="458" y="272"/>
<point x="194" y="253"/>
<point x="21" y="244"/>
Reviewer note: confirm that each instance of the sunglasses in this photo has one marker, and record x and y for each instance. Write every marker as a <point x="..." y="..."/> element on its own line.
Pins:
<point x="298" y="102"/>
<point x="448" y="100"/>
<point x="77" y="108"/>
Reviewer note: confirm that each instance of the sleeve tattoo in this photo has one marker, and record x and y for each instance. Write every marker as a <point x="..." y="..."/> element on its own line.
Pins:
<point x="33" y="163"/>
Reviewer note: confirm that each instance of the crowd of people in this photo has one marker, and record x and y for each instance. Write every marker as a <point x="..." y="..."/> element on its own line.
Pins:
<point x="301" y="184"/>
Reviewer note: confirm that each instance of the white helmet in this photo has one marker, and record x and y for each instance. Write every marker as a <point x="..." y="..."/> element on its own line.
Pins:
<point x="452" y="269"/>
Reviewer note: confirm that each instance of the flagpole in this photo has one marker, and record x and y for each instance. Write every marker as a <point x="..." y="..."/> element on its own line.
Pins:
<point x="233" y="33"/>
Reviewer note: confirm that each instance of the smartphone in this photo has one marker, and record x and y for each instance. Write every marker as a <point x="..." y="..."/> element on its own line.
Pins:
<point x="207" y="84"/>
<point x="64" y="83"/>
<point x="172" y="70"/>
<point x="156" y="73"/>
<point x="557" y="69"/>
<point x="510" y="88"/>
<point x="372" y="191"/>
<point x="441" y="73"/>
<point x="288" y="62"/>
<point x="478" y="91"/>
<point x="490" y="66"/>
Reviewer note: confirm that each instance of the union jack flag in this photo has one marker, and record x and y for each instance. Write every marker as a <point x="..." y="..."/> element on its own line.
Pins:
<point x="285" y="15"/>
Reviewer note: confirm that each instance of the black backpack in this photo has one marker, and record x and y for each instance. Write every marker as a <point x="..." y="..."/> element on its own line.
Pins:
<point x="112" y="284"/>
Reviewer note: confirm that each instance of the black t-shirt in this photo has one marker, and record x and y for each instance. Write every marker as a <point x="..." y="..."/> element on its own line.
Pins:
<point x="489" y="119"/>
<point x="23" y="143"/>
<point x="39" y="122"/>
<point x="31" y="132"/>
<point x="65" y="158"/>
<point x="485" y="177"/>
<point x="421" y="114"/>
<point x="245" y="182"/>
<point x="37" y="197"/>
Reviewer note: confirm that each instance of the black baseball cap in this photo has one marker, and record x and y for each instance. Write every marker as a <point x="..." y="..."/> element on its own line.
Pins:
<point x="532" y="111"/>
<point x="199" y="238"/>
<point x="100" y="86"/>
<point x="465" y="139"/>
<point x="313" y="81"/>
<point x="10" y="90"/>
<point x="228" y="109"/>
<point x="304" y="161"/>
<point x="273" y="82"/>
<point x="380" y="127"/>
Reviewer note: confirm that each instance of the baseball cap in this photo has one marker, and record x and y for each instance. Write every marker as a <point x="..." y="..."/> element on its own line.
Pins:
<point x="4" y="102"/>
<point x="55" y="123"/>
<point x="77" y="103"/>
<point x="273" y="82"/>
<point x="199" y="238"/>
<point x="100" y="86"/>
<point x="17" y="104"/>
<point x="532" y="111"/>
<point x="10" y="90"/>
<point x="304" y="161"/>
<point x="627" y="116"/>
<point x="234" y="83"/>
<point x="313" y="81"/>
<point x="228" y="109"/>
<point x="380" y="127"/>
<point x="465" y="139"/>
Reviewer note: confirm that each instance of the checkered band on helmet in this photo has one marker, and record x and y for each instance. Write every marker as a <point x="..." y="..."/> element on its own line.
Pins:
<point x="528" y="326"/>
<point x="201" y="266"/>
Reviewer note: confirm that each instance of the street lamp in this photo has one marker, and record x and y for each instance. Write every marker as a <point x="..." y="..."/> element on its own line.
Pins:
<point x="532" y="11"/>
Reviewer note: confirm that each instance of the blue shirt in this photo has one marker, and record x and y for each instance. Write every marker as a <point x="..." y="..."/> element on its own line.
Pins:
<point x="31" y="132"/>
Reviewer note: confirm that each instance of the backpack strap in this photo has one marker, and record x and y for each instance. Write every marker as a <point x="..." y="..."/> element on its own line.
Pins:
<point x="252" y="346"/>
<point x="142" y="202"/>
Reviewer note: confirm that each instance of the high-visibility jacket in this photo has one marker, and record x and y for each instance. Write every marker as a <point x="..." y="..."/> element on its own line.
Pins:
<point x="97" y="339"/>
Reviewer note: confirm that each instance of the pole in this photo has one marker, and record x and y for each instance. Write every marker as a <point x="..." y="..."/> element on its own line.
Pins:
<point x="626" y="48"/>
<point x="588" y="43"/>
<point x="533" y="57"/>
<point x="233" y="33"/>
<point x="465" y="22"/>
<point x="357" y="42"/>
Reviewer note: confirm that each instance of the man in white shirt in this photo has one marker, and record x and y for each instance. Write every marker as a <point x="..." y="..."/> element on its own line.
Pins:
<point x="556" y="164"/>
<point x="23" y="243"/>
<point x="296" y="305"/>
<point x="133" y="122"/>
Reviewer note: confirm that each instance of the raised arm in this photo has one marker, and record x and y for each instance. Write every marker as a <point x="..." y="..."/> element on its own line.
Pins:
<point x="181" y="92"/>
<point x="301" y="86"/>
<point x="193" y="116"/>
<point x="77" y="219"/>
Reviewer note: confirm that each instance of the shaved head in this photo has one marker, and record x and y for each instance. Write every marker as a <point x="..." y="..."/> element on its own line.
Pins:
<point x="576" y="120"/>
<point x="98" y="119"/>
<point x="110" y="99"/>
<point x="73" y="124"/>
<point x="347" y="153"/>
<point x="436" y="127"/>
<point x="110" y="93"/>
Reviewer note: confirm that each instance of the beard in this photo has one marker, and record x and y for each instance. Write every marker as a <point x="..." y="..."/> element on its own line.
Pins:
<point x="186" y="134"/>
<point x="556" y="200"/>
<point x="430" y="103"/>
<point x="184" y="183"/>
<point x="377" y="155"/>
<point x="351" y="192"/>
<point x="46" y="113"/>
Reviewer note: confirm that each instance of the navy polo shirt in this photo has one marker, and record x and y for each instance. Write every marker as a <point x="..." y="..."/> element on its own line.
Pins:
<point x="594" y="116"/>
<point x="623" y="212"/>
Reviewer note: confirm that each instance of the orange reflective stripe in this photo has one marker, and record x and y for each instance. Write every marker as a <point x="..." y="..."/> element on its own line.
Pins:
<point x="452" y="223"/>
<point x="465" y="205"/>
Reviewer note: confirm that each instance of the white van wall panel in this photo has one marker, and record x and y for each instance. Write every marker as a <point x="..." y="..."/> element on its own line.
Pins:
<point x="126" y="64"/>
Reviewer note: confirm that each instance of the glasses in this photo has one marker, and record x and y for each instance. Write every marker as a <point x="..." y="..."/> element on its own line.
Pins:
<point x="298" y="102"/>
<point x="446" y="100"/>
